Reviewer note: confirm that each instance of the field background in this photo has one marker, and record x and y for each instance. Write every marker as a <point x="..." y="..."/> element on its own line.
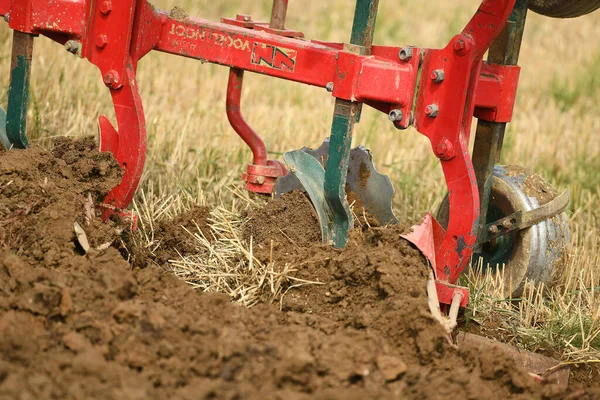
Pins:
<point x="194" y="155"/>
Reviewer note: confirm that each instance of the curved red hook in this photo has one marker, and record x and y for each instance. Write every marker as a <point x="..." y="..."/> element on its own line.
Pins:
<point x="128" y="144"/>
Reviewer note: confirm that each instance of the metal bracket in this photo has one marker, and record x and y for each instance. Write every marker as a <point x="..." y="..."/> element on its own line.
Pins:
<point x="521" y="220"/>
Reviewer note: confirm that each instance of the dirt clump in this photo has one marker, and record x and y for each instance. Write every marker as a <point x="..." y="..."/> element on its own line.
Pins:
<point x="91" y="326"/>
<point x="43" y="193"/>
<point x="287" y="226"/>
<point x="175" y="235"/>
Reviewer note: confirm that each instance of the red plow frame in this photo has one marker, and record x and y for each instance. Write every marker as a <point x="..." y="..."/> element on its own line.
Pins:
<point x="450" y="85"/>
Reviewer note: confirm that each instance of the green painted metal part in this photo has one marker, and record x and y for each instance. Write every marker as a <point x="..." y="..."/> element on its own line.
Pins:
<point x="3" y="138"/>
<point x="18" y="93"/>
<point x="336" y="171"/>
<point x="311" y="175"/>
<point x="363" y="26"/>
<point x="345" y="116"/>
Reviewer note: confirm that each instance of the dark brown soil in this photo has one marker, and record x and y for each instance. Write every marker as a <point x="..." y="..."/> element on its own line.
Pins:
<point x="287" y="227"/>
<point x="43" y="193"/>
<point x="581" y="377"/>
<point x="76" y="326"/>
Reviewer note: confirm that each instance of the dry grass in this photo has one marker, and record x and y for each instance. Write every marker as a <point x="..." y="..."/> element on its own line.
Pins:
<point x="225" y="263"/>
<point x="195" y="157"/>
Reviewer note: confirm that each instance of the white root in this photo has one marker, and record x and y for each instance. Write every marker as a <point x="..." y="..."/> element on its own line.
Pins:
<point x="449" y="323"/>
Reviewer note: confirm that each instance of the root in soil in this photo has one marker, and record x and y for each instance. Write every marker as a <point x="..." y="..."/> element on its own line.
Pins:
<point x="76" y="325"/>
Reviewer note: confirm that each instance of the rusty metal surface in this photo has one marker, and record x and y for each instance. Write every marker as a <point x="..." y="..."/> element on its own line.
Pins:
<point x="278" y="14"/>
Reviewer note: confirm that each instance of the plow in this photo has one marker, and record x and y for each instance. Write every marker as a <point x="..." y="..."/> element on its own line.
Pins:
<point x="504" y="215"/>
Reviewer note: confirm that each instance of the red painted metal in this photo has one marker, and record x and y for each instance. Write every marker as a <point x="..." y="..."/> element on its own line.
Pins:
<point x="115" y="35"/>
<point x="496" y="92"/>
<point x="255" y="182"/>
<point x="234" y="94"/>
<point x="262" y="174"/>
<point x="449" y="130"/>
<point x="446" y="292"/>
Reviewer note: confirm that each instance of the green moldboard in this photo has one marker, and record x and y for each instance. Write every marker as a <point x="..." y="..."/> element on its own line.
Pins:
<point x="18" y="97"/>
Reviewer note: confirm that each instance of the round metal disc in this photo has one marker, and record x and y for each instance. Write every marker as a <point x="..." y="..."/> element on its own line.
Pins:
<point x="533" y="253"/>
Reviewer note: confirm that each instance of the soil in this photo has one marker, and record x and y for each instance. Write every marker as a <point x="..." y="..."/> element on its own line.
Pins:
<point x="533" y="184"/>
<point x="76" y="325"/>
<point x="178" y="14"/>
<point x="43" y="193"/>
<point x="286" y="228"/>
<point x="580" y="375"/>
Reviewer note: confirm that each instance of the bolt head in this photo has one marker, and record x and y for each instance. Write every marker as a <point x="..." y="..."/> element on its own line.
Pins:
<point x="111" y="79"/>
<point x="493" y="229"/>
<point x="461" y="46"/>
<point x="437" y="76"/>
<point x="72" y="46"/>
<point x="506" y="224"/>
<point x="444" y="150"/>
<point x="395" y="115"/>
<point x="101" y="41"/>
<point x="405" y="54"/>
<point x="106" y="7"/>
<point x="432" y="110"/>
<point x="329" y="87"/>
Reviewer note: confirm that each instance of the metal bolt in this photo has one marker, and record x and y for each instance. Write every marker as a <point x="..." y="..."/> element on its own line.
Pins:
<point x="462" y="46"/>
<point x="101" y="41"/>
<point x="111" y="79"/>
<point x="437" y="76"/>
<point x="106" y="7"/>
<point x="432" y="110"/>
<point x="246" y="18"/>
<point x="72" y="46"/>
<point x="506" y="224"/>
<point x="395" y="115"/>
<point x="329" y="87"/>
<point x="444" y="150"/>
<point x="493" y="229"/>
<point x="260" y="180"/>
<point x="405" y="54"/>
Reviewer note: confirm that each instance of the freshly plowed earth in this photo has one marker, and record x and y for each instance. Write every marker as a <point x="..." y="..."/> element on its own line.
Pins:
<point x="87" y="326"/>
